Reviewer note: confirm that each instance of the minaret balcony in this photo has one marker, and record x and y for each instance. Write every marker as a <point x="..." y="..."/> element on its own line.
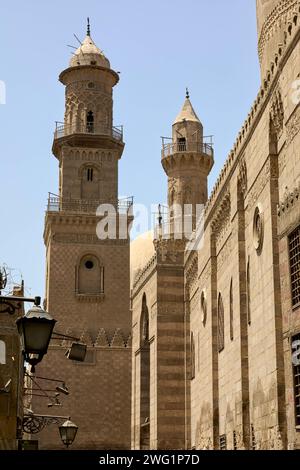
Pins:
<point x="186" y="146"/>
<point x="84" y="206"/>
<point x="99" y="129"/>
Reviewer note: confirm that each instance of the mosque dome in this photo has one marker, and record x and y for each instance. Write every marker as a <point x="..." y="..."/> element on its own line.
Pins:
<point x="89" y="54"/>
<point x="141" y="251"/>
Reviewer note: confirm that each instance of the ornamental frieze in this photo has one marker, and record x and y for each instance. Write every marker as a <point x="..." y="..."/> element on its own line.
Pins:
<point x="85" y="238"/>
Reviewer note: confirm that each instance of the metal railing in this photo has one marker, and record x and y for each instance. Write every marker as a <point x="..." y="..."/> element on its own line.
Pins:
<point x="62" y="130"/>
<point x="58" y="204"/>
<point x="188" y="146"/>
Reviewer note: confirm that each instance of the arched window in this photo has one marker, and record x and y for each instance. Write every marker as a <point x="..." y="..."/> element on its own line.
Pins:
<point x="2" y="352"/>
<point x="192" y="356"/>
<point x="231" y="310"/>
<point x="89" y="174"/>
<point x="145" y="377"/>
<point x="248" y="294"/>
<point x="90" y="121"/>
<point x="220" y="324"/>
<point x="90" y="182"/>
<point x="144" y="324"/>
<point x="90" y="276"/>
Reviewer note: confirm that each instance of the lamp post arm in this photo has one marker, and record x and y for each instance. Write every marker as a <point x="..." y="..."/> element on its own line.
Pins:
<point x="56" y="335"/>
<point x="12" y="303"/>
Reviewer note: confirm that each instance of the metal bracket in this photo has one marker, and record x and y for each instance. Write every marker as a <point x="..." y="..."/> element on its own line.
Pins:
<point x="33" y="424"/>
<point x="12" y="303"/>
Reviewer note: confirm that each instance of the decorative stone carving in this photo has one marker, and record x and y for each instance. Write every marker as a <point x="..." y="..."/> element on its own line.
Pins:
<point x="275" y="439"/>
<point x="192" y="270"/>
<point x="84" y="238"/>
<point x="242" y="176"/>
<point x="277" y="113"/>
<point x="278" y="17"/>
<point x="293" y="126"/>
<point x="258" y="229"/>
<point x="290" y="198"/>
<point x="220" y="225"/>
<point x="169" y="250"/>
<point x="259" y="185"/>
<point x="225" y="253"/>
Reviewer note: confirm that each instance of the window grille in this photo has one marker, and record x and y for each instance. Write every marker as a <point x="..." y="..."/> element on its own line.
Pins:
<point x="294" y="252"/>
<point x="223" y="443"/>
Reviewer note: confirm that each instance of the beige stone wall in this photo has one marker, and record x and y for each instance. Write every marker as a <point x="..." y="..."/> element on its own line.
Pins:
<point x="262" y="374"/>
<point x="245" y="391"/>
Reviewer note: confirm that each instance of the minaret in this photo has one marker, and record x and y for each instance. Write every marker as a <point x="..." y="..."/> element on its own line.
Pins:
<point x="187" y="160"/>
<point x="87" y="283"/>
<point x="274" y="18"/>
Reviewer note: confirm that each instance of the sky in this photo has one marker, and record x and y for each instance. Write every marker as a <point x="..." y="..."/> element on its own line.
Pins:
<point x="160" y="47"/>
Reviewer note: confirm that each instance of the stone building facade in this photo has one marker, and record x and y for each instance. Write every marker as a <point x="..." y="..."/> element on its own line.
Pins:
<point x="11" y="373"/>
<point x="216" y="330"/>
<point x="87" y="277"/>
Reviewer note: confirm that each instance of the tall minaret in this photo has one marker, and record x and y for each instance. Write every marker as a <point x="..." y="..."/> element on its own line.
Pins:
<point x="87" y="284"/>
<point x="273" y="20"/>
<point x="187" y="160"/>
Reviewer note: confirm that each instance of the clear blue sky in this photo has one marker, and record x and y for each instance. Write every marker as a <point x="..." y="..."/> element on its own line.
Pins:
<point x="160" y="47"/>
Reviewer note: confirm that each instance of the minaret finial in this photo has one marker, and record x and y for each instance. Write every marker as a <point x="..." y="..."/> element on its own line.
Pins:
<point x="88" y="27"/>
<point x="187" y="94"/>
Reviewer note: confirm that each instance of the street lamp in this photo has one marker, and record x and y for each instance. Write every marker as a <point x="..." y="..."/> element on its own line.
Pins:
<point x="35" y="329"/>
<point x="68" y="431"/>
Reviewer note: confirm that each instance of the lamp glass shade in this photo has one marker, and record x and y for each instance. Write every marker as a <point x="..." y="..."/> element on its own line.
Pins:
<point x="35" y="329"/>
<point x="68" y="431"/>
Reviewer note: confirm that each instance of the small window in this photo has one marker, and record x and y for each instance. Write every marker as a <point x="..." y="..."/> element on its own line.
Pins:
<point x="89" y="174"/>
<point x="2" y="352"/>
<point x="296" y="375"/>
<point x="89" y="264"/>
<point x="181" y="144"/>
<point x="294" y="255"/>
<point x="221" y="342"/>
<point x="223" y="442"/>
<point x="90" y="121"/>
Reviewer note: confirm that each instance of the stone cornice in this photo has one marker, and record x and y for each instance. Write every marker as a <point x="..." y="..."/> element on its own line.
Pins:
<point x="143" y="275"/>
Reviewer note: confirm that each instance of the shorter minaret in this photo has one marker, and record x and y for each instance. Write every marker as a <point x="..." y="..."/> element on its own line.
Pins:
<point x="187" y="161"/>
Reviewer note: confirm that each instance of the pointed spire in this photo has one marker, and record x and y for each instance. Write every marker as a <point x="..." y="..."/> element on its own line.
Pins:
<point x="88" y="31"/>
<point x="187" y="112"/>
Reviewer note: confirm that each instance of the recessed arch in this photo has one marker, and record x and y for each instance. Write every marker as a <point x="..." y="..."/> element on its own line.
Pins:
<point x="144" y="377"/>
<point x="221" y="326"/>
<point x="89" y="275"/>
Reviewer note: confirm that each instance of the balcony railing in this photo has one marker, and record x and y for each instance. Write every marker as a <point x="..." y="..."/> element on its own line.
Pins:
<point x="58" y="204"/>
<point x="62" y="130"/>
<point x="188" y="146"/>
